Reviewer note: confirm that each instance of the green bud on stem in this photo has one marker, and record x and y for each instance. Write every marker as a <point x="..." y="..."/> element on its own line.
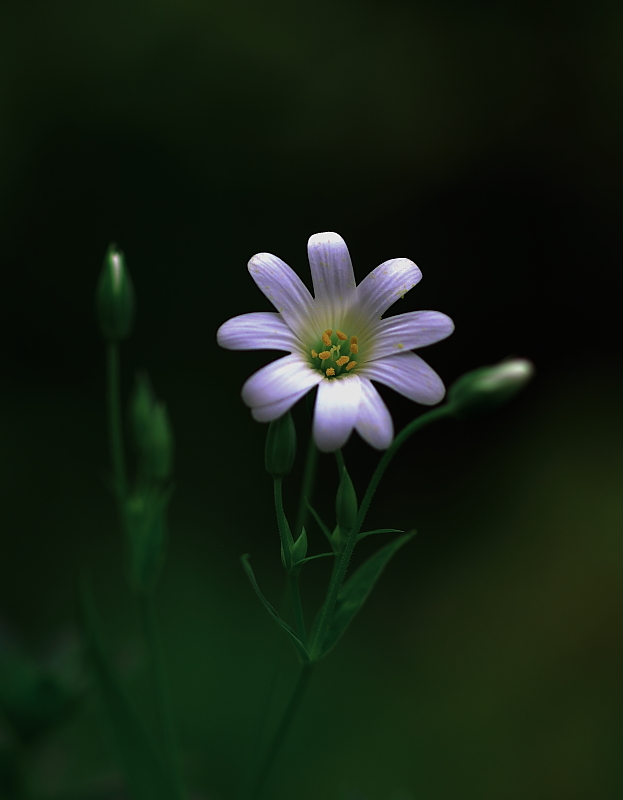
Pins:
<point x="346" y="504"/>
<point x="114" y="298"/>
<point x="280" y="446"/>
<point x="488" y="388"/>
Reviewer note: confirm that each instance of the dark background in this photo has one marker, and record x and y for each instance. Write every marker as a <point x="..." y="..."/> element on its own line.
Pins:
<point x="480" y="139"/>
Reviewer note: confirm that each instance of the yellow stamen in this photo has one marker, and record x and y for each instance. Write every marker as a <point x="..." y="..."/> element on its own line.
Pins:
<point x="328" y="331"/>
<point x="351" y="365"/>
<point x="330" y="372"/>
<point x="353" y="340"/>
<point x="342" y="360"/>
<point x="314" y="354"/>
<point x="326" y="338"/>
<point x="341" y="335"/>
<point x="354" y="348"/>
<point x="324" y="355"/>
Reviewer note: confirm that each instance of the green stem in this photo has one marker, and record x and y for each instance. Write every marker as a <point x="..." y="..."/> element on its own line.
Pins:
<point x="287" y="543"/>
<point x="114" y="421"/>
<point x="405" y="433"/>
<point x="307" y="486"/>
<point x="283" y="728"/>
<point x="161" y="695"/>
<point x="337" y="578"/>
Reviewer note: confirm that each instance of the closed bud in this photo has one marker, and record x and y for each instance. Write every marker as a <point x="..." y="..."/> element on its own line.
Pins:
<point x="299" y="550"/>
<point x="115" y="297"/>
<point x="280" y="446"/>
<point x="488" y="388"/>
<point x="346" y="504"/>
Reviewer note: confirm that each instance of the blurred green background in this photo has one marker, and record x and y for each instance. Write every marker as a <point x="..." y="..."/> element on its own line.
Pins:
<point x="481" y="139"/>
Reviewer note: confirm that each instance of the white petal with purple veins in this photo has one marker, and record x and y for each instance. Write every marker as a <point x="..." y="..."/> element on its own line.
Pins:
<point x="332" y="274"/>
<point x="273" y="411"/>
<point x="384" y="285"/>
<point x="259" y="330"/>
<point x="278" y="380"/>
<point x="408" y="375"/>
<point x="409" y="331"/>
<point x="285" y="290"/>
<point x="335" y="412"/>
<point x="374" y="422"/>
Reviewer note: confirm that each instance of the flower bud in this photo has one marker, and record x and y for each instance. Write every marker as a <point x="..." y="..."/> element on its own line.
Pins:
<point x="346" y="504"/>
<point x="115" y="297"/>
<point x="280" y="446"/>
<point x="299" y="550"/>
<point x="488" y="388"/>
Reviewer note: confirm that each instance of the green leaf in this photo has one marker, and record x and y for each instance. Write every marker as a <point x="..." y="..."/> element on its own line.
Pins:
<point x="378" y="530"/>
<point x="313" y="558"/>
<point x="300" y="647"/>
<point x="356" y="589"/>
<point x="146" y="778"/>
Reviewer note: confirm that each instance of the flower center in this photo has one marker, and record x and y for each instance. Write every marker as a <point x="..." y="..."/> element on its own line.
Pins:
<point x="335" y="353"/>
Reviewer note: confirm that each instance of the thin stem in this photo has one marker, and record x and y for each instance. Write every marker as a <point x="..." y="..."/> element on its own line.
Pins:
<point x="114" y="421"/>
<point x="286" y="543"/>
<point x="405" y="433"/>
<point x="298" y="609"/>
<point x="307" y="486"/>
<point x="283" y="728"/>
<point x="161" y="695"/>
<point x="337" y="578"/>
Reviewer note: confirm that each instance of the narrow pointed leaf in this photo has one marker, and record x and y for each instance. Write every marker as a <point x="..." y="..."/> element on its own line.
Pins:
<point x="312" y="558"/>
<point x="378" y="530"/>
<point x="300" y="647"/>
<point x="146" y="777"/>
<point x="356" y="589"/>
<point x="321" y="525"/>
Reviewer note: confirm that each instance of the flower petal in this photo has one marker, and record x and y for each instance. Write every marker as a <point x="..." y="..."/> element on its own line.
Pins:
<point x="386" y="284"/>
<point x="283" y="287"/>
<point x="374" y="422"/>
<point x="332" y="274"/>
<point x="273" y="411"/>
<point x="260" y="330"/>
<point x="282" y="378"/>
<point x="335" y="413"/>
<point x="408" y="375"/>
<point x="408" y="331"/>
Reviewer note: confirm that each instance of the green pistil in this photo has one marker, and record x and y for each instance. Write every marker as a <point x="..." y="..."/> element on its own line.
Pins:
<point x="340" y="353"/>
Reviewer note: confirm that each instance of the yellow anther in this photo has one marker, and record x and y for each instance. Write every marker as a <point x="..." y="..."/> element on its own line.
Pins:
<point x="341" y="335"/>
<point x="353" y="340"/>
<point x="351" y="365"/>
<point x="354" y="348"/>
<point x="314" y="354"/>
<point x="324" y="355"/>
<point x="328" y="331"/>
<point x="326" y="338"/>
<point x="330" y="372"/>
<point x="342" y="360"/>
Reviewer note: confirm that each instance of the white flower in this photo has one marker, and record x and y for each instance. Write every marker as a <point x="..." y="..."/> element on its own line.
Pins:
<point x="338" y="342"/>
